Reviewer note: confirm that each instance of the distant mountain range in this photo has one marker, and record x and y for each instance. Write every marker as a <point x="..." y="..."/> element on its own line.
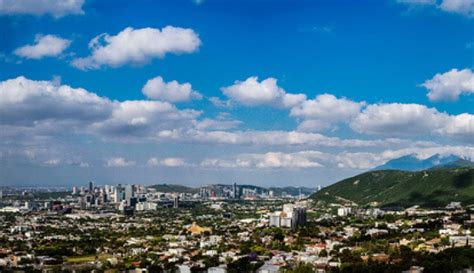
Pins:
<point x="435" y="187"/>
<point x="174" y="188"/>
<point x="412" y="163"/>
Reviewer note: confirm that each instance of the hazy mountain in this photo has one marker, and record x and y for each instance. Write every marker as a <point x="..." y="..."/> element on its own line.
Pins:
<point x="412" y="163"/>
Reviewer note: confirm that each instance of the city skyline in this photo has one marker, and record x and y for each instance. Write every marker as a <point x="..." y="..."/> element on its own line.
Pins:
<point x="255" y="92"/>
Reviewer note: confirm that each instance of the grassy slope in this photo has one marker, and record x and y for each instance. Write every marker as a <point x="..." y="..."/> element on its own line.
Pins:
<point x="426" y="188"/>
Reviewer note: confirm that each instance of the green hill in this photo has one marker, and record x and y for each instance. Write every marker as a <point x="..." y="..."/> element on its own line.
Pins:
<point x="174" y="188"/>
<point x="430" y="188"/>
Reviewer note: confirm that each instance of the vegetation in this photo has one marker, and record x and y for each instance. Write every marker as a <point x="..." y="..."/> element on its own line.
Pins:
<point x="174" y="188"/>
<point x="431" y="188"/>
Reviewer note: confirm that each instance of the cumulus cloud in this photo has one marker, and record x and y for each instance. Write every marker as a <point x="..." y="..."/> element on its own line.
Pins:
<point x="398" y="119"/>
<point x="251" y="92"/>
<point x="119" y="162"/>
<point x="27" y="102"/>
<point x="143" y="120"/>
<point x="280" y="138"/>
<point x="43" y="107"/>
<point x="222" y="122"/>
<point x="173" y="162"/>
<point x="342" y="160"/>
<point x="44" y="46"/>
<point x="325" y="110"/>
<point x="450" y="85"/>
<point x="138" y="46"/>
<point x="56" y="8"/>
<point x="464" y="7"/>
<point x="268" y="160"/>
<point x="167" y="162"/>
<point x="217" y="102"/>
<point x="172" y="91"/>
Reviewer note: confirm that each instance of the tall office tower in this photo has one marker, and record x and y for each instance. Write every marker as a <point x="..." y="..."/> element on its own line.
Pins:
<point x="176" y="202"/>
<point x="234" y="191"/>
<point x="298" y="217"/>
<point x="128" y="194"/>
<point x="74" y="190"/>
<point x="91" y="186"/>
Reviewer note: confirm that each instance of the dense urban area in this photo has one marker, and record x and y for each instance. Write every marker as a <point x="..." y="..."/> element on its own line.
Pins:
<point x="224" y="228"/>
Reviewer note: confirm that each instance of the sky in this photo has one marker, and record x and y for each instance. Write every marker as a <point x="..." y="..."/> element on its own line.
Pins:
<point x="195" y="92"/>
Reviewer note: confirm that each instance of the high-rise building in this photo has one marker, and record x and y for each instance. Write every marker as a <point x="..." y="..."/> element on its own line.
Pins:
<point x="292" y="216"/>
<point x="128" y="194"/>
<point x="91" y="186"/>
<point x="176" y="202"/>
<point x="74" y="190"/>
<point x="235" y="191"/>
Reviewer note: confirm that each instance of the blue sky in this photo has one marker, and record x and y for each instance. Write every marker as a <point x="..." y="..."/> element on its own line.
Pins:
<point x="368" y="81"/>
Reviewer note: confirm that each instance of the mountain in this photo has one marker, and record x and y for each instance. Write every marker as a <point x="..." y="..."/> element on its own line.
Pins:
<point x="412" y="163"/>
<point x="430" y="188"/>
<point x="174" y="188"/>
<point x="460" y="163"/>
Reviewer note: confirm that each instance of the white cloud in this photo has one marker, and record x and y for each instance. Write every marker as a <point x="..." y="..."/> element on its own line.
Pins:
<point x="398" y="119"/>
<point x="450" y="85"/>
<point x="173" y="162"/>
<point x="217" y="124"/>
<point x="141" y="120"/>
<point x="45" y="46"/>
<point x="417" y="2"/>
<point x="57" y="8"/>
<point x="48" y="106"/>
<point x="280" y="138"/>
<point x="119" y="162"/>
<point x="52" y="162"/>
<point x="251" y="92"/>
<point x="268" y="160"/>
<point x="325" y="110"/>
<point x="167" y="162"/>
<point x="138" y="46"/>
<point x="27" y="102"/>
<point x="464" y="7"/>
<point x="459" y="127"/>
<point x="342" y="160"/>
<point x="172" y="91"/>
<point x="217" y="102"/>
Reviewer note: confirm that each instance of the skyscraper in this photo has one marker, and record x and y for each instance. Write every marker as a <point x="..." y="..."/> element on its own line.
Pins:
<point x="235" y="194"/>
<point x="91" y="186"/>
<point x="176" y="202"/>
<point x="128" y="194"/>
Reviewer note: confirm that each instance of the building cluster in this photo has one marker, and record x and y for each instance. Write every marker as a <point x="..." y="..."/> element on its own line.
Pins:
<point x="215" y="234"/>
<point x="292" y="216"/>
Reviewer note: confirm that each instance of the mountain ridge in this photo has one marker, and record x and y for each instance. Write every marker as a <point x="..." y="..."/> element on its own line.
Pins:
<point x="412" y="162"/>
<point x="427" y="188"/>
